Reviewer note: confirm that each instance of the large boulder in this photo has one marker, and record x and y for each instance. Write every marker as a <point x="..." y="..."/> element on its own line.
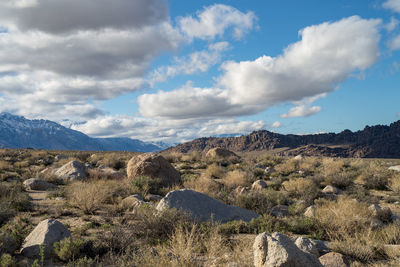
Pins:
<point x="279" y="250"/>
<point x="38" y="184"/>
<point x="7" y="244"/>
<point x="203" y="207"/>
<point x="221" y="153"/>
<point x="46" y="233"/>
<point x="155" y="167"/>
<point x="334" y="259"/>
<point x="73" y="170"/>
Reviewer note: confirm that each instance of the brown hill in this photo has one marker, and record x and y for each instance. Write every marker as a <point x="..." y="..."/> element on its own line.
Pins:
<point x="372" y="142"/>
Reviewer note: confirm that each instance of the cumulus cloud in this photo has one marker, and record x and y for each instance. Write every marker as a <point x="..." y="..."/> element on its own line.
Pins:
<point x="394" y="43"/>
<point x="392" y="24"/>
<point x="214" y="20"/>
<point x="69" y="52"/>
<point x="276" y="124"/>
<point x="301" y="111"/>
<point x="393" y="5"/>
<point x="164" y="130"/>
<point x="199" y="61"/>
<point x="326" y="55"/>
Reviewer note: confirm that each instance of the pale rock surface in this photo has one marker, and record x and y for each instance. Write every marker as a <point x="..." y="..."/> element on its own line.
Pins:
<point x="46" y="233"/>
<point x="201" y="206"/>
<point x="306" y="245"/>
<point x="73" y="170"/>
<point x="154" y="167"/>
<point x="334" y="259"/>
<point x="38" y="184"/>
<point x="279" y="250"/>
<point x="259" y="185"/>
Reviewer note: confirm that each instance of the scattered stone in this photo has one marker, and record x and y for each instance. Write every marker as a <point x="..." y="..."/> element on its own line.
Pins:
<point x="241" y="190"/>
<point x="46" y="233"/>
<point x="7" y="244"/>
<point x="329" y="189"/>
<point x="395" y="168"/>
<point x="259" y="185"/>
<point x="60" y="198"/>
<point x="280" y="211"/>
<point x="279" y="250"/>
<point x="221" y="153"/>
<point x="60" y="157"/>
<point x="259" y="166"/>
<point x="132" y="202"/>
<point x="73" y="170"/>
<point x="155" y="198"/>
<point x="310" y="211"/>
<point x="299" y="157"/>
<point x="201" y="206"/>
<point x="269" y="170"/>
<point x="154" y="167"/>
<point x="306" y="245"/>
<point x="334" y="259"/>
<point x="322" y="246"/>
<point x="383" y="214"/>
<point x="38" y="184"/>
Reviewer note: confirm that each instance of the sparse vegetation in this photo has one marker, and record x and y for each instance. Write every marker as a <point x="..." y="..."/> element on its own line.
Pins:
<point x="104" y="233"/>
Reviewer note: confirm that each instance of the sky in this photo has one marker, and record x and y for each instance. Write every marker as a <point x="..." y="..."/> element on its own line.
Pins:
<point x="175" y="70"/>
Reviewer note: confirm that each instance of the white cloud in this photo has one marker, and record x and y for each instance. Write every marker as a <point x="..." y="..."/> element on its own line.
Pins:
<point x="214" y="20"/>
<point x="392" y="24"/>
<point x="392" y="4"/>
<point x="276" y="124"/>
<point x="326" y="55"/>
<point x="164" y="130"/>
<point x="301" y="111"/>
<point x="58" y="53"/>
<point x="394" y="44"/>
<point x="199" y="61"/>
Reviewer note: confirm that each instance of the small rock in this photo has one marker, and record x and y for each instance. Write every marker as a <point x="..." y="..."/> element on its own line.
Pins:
<point x="7" y="244"/>
<point x="310" y="212"/>
<point x="269" y="170"/>
<point x="46" y="233"/>
<point x="334" y="259"/>
<point x="73" y="170"/>
<point x="38" y="184"/>
<point x="299" y="157"/>
<point x="376" y="224"/>
<point x="132" y="202"/>
<point x="280" y="211"/>
<point x="60" y="157"/>
<point x="240" y="190"/>
<point x="155" y="198"/>
<point x="259" y="185"/>
<point x="201" y="206"/>
<point x="395" y="168"/>
<point x="383" y="214"/>
<point x="259" y="166"/>
<point x="306" y="245"/>
<point x="329" y="189"/>
<point x="322" y="246"/>
<point x="279" y="250"/>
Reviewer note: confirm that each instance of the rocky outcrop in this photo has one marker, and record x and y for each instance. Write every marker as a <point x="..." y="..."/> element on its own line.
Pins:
<point x="221" y="153"/>
<point x="372" y="142"/>
<point x="73" y="170"/>
<point x="203" y="207"/>
<point x="154" y="167"/>
<point x="46" y="233"/>
<point x="38" y="184"/>
<point x="306" y="245"/>
<point x="279" y="250"/>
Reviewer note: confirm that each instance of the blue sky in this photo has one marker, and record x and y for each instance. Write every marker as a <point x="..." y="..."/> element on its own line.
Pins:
<point x="175" y="70"/>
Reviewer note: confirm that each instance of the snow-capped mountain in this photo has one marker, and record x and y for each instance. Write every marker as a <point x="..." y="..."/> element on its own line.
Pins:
<point x="19" y="132"/>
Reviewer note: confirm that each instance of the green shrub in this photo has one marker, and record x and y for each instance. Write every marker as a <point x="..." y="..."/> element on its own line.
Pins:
<point x="6" y="260"/>
<point x="68" y="249"/>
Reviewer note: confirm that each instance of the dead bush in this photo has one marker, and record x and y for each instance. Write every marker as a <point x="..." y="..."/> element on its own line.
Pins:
<point x="302" y="188"/>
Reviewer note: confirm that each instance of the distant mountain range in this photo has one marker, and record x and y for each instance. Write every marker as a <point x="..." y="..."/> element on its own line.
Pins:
<point x="19" y="132"/>
<point x="373" y="142"/>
